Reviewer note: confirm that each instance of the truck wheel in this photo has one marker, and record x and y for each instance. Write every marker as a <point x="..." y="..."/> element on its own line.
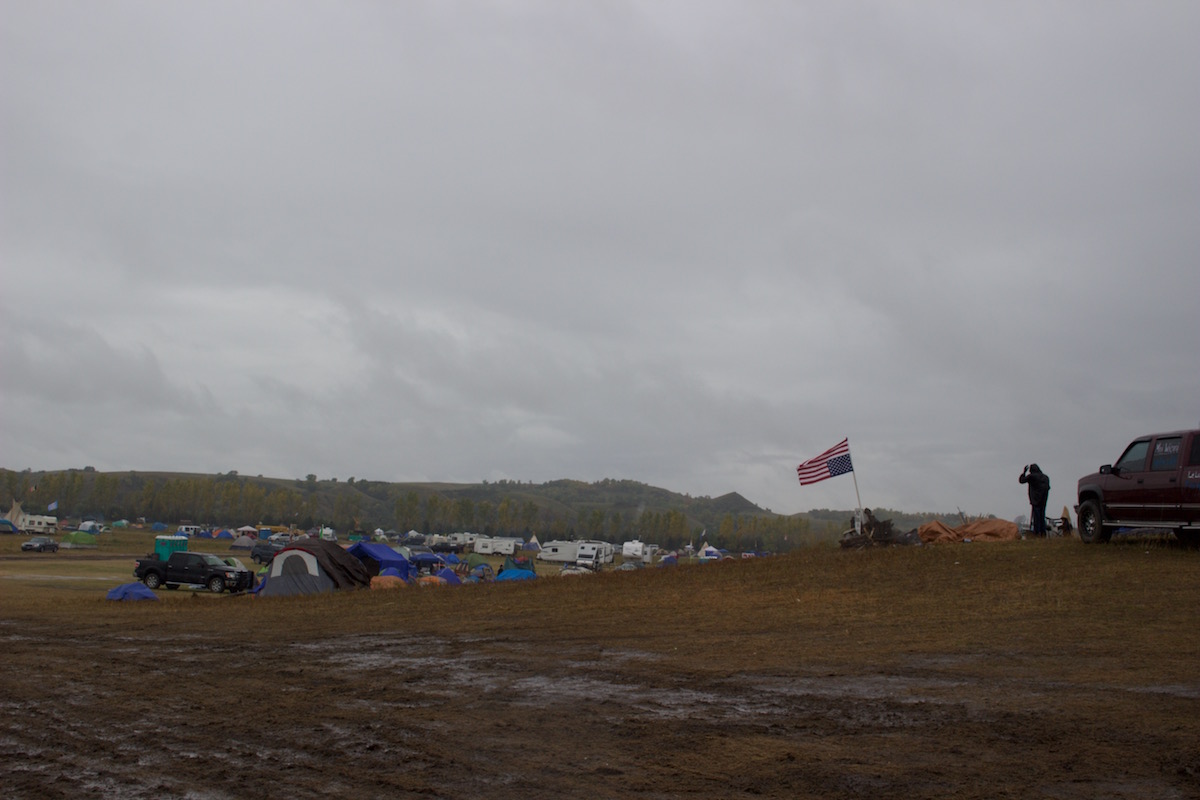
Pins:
<point x="152" y="580"/>
<point x="216" y="584"/>
<point x="1091" y="523"/>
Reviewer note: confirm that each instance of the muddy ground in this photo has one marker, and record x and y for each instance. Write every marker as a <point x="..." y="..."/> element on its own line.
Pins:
<point x="142" y="705"/>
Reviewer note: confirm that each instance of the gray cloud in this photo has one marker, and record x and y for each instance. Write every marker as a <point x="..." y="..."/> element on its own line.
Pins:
<point x="688" y="244"/>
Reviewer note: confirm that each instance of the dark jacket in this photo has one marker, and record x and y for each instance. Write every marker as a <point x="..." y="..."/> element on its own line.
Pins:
<point x="1039" y="485"/>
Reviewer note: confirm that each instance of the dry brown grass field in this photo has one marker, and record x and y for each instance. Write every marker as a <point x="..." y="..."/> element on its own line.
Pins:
<point x="1027" y="669"/>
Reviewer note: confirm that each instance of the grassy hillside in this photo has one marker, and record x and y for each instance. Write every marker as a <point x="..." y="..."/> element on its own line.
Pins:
<point x="614" y="510"/>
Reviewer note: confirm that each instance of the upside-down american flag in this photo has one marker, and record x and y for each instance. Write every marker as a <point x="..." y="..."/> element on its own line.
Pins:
<point x="834" y="461"/>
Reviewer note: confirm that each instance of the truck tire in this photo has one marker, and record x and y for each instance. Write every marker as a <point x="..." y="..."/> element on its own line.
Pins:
<point x="152" y="580"/>
<point x="1091" y="523"/>
<point x="216" y="584"/>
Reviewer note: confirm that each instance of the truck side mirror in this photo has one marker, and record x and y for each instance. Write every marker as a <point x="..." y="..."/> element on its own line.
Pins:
<point x="1107" y="469"/>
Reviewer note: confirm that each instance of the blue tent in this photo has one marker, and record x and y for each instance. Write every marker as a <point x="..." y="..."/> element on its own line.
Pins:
<point x="130" y="591"/>
<point x="516" y="575"/>
<point x="204" y="535"/>
<point x="450" y="558"/>
<point x="377" y="557"/>
<point x="449" y="576"/>
<point x="391" y="572"/>
<point x="224" y="535"/>
<point x="158" y="526"/>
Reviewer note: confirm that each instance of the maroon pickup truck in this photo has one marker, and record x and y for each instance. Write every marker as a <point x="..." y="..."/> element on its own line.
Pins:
<point x="1154" y="484"/>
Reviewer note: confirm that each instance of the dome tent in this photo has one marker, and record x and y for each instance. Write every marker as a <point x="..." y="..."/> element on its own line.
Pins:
<point x="311" y="566"/>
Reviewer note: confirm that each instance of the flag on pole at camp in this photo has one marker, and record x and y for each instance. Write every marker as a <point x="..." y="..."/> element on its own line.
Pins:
<point x="834" y="461"/>
<point x="53" y="506"/>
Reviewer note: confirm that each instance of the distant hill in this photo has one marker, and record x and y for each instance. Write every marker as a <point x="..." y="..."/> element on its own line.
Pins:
<point x="613" y="510"/>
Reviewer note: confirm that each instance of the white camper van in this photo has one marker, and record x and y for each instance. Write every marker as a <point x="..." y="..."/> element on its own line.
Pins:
<point x="564" y="552"/>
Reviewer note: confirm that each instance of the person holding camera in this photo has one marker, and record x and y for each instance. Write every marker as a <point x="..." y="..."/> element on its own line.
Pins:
<point x="1039" y="492"/>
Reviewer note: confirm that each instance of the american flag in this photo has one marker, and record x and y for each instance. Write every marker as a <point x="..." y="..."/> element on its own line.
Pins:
<point x="834" y="461"/>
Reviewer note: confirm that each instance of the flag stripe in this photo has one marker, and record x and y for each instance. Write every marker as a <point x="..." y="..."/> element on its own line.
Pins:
<point x="834" y="461"/>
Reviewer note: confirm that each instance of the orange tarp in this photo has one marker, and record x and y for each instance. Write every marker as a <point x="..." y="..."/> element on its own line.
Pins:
<point x="984" y="530"/>
<point x="387" y="582"/>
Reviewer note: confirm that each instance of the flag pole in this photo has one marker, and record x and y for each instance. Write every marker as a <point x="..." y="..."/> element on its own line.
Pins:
<point x="858" y="511"/>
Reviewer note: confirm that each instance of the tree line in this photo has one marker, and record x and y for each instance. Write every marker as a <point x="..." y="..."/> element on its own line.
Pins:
<point x="512" y="509"/>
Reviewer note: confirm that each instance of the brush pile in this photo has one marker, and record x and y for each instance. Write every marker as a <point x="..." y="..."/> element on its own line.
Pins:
<point x="877" y="533"/>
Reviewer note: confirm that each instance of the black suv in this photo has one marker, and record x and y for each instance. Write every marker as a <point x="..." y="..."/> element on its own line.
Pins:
<point x="1154" y="484"/>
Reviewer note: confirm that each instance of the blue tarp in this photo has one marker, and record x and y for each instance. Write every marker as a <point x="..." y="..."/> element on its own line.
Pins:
<point x="516" y="575"/>
<point x="130" y="591"/>
<point x="377" y="557"/>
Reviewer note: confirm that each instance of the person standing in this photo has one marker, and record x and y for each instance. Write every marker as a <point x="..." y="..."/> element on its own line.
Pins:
<point x="1039" y="491"/>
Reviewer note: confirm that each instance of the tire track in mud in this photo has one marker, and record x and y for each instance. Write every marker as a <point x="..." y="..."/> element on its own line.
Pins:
<point x="387" y="715"/>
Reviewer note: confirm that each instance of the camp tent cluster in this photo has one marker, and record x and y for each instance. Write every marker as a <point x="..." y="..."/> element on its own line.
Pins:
<point x="312" y="566"/>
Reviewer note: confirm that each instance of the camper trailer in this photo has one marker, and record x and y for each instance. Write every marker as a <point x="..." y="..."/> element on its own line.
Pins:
<point x="565" y="552"/>
<point x="499" y="545"/>
<point x="638" y="551"/>
<point x="463" y="539"/>
<point x="594" y="554"/>
<point x="39" y="523"/>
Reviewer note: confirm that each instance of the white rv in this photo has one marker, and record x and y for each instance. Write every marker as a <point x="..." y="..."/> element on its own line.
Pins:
<point x="638" y="551"/>
<point x="594" y="554"/>
<point x="498" y="545"/>
<point x="38" y="523"/>
<point x="565" y="552"/>
<point x="462" y="539"/>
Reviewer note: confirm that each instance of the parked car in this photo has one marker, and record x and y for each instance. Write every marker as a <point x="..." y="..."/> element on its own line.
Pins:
<point x="185" y="568"/>
<point x="1154" y="484"/>
<point x="264" y="550"/>
<point x="40" y="544"/>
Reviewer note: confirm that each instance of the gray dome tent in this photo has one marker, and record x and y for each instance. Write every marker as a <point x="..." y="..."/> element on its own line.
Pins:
<point x="310" y="566"/>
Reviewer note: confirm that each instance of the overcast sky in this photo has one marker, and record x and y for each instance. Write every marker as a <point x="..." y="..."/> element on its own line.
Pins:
<point x="685" y="243"/>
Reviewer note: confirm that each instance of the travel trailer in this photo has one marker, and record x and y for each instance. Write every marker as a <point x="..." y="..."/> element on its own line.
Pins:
<point x="638" y="551"/>
<point x="39" y="523"/>
<point x="499" y="545"/>
<point x="564" y="552"/>
<point x="594" y="554"/>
